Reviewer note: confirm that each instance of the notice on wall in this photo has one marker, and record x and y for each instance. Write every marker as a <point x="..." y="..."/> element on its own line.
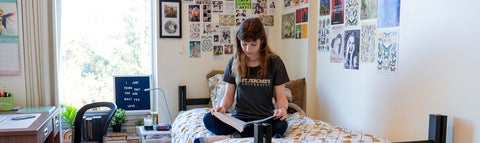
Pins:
<point x="130" y="92"/>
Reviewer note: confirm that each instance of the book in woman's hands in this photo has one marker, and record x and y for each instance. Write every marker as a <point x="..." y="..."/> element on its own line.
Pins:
<point x="236" y="123"/>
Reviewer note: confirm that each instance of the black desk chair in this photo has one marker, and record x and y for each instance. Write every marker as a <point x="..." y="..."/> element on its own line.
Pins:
<point x="102" y="127"/>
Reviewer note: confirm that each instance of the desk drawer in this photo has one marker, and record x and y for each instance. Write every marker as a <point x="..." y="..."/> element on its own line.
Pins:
<point x="44" y="131"/>
<point x="56" y="123"/>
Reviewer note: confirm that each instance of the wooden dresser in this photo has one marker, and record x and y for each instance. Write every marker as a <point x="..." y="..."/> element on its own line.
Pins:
<point x="45" y="129"/>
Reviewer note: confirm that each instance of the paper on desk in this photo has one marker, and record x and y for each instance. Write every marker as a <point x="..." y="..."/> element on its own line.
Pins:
<point x="8" y="123"/>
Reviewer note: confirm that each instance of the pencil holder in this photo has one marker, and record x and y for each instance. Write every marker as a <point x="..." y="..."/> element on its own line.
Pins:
<point x="6" y="103"/>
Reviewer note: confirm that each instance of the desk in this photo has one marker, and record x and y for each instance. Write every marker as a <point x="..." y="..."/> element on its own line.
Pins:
<point x="154" y="136"/>
<point x="45" y="129"/>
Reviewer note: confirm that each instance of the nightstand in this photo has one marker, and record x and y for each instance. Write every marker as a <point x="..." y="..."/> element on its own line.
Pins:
<point x="153" y="136"/>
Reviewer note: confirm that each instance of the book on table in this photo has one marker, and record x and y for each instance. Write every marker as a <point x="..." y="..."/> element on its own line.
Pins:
<point x="238" y="124"/>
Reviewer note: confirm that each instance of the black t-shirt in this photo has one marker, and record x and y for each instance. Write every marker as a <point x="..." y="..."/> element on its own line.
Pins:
<point x="254" y="96"/>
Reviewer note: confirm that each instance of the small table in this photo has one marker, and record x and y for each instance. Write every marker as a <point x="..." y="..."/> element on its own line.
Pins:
<point x="154" y="136"/>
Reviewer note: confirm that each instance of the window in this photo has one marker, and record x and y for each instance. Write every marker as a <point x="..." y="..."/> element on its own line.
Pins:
<point x="98" y="39"/>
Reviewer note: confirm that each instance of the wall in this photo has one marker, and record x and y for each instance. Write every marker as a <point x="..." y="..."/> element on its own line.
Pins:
<point x="436" y="73"/>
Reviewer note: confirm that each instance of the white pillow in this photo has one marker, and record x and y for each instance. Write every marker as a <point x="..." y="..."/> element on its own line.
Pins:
<point x="217" y="91"/>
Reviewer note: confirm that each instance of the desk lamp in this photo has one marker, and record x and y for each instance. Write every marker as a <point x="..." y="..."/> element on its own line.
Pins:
<point x="163" y="126"/>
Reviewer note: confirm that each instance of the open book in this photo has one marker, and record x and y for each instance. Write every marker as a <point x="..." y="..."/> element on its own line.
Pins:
<point x="237" y="123"/>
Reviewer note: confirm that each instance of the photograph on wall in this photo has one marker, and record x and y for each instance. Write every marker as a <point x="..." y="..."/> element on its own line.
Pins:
<point x="368" y="9"/>
<point x="295" y="3"/>
<point x="170" y="19"/>
<point x="336" y="44"/>
<point x="194" y="13"/>
<point x="298" y="16"/>
<point x="210" y="28"/>
<point x="228" y="48"/>
<point x="387" y="50"/>
<point x="288" y="25"/>
<point x="239" y="20"/>
<point x="367" y="42"/>
<point x="229" y="7"/>
<point x="388" y="13"/>
<point x="194" y="49"/>
<point x="195" y="31"/>
<point x="337" y="12"/>
<point x="286" y="3"/>
<point x="207" y="43"/>
<point x="351" y="49"/>
<point x="304" y="34"/>
<point x="227" y="20"/>
<point x="243" y="4"/>
<point x="225" y="35"/>
<point x="217" y="6"/>
<point x="267" y="20"/>
<point x="323" y="34"/>
<point x="207" y="13"/>
<point x="9" y="20"/>
<point x="298" y="31"/>
<point x="324" y="8"/>
<point x="217" y="50"/>
<point x="352" y="13"/>
<point x="304" y="14"/>
<point x="271" y="6"/>
<point x="259" y="8"/>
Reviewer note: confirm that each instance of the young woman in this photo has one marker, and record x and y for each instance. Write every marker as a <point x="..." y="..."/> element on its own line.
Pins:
<point x="257" y="76"/>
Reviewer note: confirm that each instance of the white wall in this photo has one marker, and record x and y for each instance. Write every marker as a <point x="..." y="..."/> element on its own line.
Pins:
<point x="437" y="73"/>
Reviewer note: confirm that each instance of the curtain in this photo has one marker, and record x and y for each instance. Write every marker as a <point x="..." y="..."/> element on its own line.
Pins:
<point x="37" y="32"/>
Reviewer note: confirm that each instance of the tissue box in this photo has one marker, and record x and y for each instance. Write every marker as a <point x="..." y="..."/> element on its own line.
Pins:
<point x="6" y="103"/>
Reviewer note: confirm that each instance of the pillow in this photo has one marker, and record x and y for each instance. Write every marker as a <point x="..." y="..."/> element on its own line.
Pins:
<point x="297" y="88"/>
<point x="292" y="107"/>
<point x="217" y="91"/>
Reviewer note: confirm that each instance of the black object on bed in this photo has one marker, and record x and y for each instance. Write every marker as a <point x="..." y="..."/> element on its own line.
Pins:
<point x="437" y="130"/>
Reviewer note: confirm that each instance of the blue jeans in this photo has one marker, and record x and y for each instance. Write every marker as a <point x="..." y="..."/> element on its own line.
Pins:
<point x="218" y="127"/>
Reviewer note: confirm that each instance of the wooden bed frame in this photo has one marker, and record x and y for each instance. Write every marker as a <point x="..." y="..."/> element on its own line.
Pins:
<point x="436" y="129"/>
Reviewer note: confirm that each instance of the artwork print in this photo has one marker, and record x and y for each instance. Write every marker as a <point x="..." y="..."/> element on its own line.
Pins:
<point x="207" y="43"/>
<point x="336" y="44"/>
<point x="324" y="7"/>
<point x="337" y="12"/>
<point x="217" y="6"/>
<point x="170" y="19"/>
<point x="194" y="49"/>
<point x="368" y="9"/>
<point x="388" y="13"/>
<point x="351" y="49"/>
<point x="367" y="42"/>
<point x="387" y="50"/>
<point x="195" y="30"/>
<point x="323" y="34"/>
<point x="352" y="13"/>
<point x="288" y="25"/>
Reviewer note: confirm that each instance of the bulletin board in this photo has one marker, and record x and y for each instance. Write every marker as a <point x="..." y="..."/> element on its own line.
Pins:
<point x="130" y="92"/>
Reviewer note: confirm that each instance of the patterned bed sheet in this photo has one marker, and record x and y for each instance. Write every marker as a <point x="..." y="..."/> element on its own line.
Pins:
<point x="188" y="125"/>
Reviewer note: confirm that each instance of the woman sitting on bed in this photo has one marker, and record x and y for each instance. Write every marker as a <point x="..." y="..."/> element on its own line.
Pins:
<point x="257" y="75"/>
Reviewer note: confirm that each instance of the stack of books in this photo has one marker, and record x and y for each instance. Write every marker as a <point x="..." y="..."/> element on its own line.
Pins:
<point x="121" y="137"/>
<point x="115" y="136"/>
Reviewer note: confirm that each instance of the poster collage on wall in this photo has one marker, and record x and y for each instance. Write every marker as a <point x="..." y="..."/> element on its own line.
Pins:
<point x="360" y="31"/>
<point x="212" y="23"/>
<point x="295" y="24"/>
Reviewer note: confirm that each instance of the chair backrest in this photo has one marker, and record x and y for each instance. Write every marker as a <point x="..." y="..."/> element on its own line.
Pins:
<point x="103" y="126"/>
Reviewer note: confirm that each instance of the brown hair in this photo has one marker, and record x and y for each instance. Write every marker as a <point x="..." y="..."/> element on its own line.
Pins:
<point x="251" y="30"/>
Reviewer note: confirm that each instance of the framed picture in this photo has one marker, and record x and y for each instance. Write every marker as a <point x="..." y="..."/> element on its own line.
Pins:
<point x="170" y="19"/>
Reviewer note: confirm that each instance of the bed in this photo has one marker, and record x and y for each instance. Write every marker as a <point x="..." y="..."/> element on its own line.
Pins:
<point x="188" y="124"/>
